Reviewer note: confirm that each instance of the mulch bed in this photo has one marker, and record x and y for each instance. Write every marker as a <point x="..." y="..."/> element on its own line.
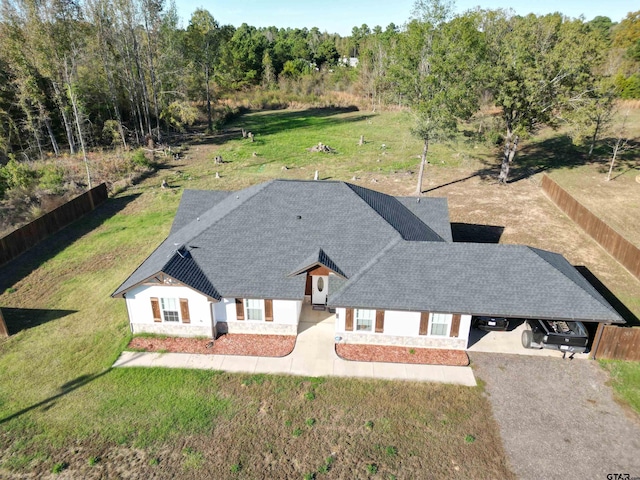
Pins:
<point x="227" y="344"/>
<point x="282" y="345"/>
<point x="381" y="353"/>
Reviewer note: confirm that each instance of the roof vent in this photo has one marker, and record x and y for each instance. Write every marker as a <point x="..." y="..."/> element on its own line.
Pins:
<point x="299" y="217"/>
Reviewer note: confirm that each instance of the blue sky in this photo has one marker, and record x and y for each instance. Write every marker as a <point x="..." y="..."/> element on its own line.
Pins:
<point x="341" y="15"/>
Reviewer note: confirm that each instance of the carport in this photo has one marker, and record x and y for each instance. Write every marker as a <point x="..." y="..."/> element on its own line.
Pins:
<point x="510" y="341"/>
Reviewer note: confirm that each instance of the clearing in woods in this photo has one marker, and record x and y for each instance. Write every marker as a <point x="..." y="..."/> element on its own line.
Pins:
<point x="62" y="408"/>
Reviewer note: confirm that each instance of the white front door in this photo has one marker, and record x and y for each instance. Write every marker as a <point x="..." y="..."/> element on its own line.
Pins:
<point x="320" y="286"/>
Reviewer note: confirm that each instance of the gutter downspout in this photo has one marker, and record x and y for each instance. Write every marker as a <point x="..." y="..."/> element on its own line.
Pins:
<point x="124" y="295"/>
<point x="213" y="320"/>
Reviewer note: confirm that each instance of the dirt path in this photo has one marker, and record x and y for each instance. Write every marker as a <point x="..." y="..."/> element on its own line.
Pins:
<point x="558" y="418"/>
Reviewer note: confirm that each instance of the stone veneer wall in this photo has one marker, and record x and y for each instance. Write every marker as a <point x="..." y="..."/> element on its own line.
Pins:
<point x="401" y="341"/>
<point x="259" y="328"/>
<point x="177" y="330"/>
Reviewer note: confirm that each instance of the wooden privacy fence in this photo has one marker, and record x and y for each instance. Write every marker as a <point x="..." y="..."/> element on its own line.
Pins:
<point x="24" y="238"/>
<point x="616" y="343"/>
<point x="627" y="254"/>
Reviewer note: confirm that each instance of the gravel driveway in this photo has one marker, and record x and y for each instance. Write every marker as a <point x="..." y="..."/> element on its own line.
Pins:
<point x="558" y="418"/>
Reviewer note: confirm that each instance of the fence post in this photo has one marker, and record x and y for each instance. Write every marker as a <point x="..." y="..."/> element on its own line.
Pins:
<point x="93" y="205"/>
<point x="596" y="341"/>
<point x="3" y="327"/>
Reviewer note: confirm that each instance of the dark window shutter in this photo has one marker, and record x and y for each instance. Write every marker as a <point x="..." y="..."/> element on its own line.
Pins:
<point x="155" y="308"/>
<point x="348" y="321"/>
<point x="268" y="310"/>
<point x="379" y="321"/>
<point x="424" y="323"/>
<point x="184" y="310"/>
<point x="455" y="325"/>
<point x="239" y="309"/>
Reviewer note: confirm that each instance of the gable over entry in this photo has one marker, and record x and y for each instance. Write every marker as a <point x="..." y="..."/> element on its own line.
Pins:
<point x="319" y="268"/>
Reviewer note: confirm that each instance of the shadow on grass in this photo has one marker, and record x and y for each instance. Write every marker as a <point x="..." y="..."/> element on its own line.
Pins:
<point x="621" y="308"/>
<point x="18" y="319"/>
<point x="277" y="121"/>
<point x="560" y="152"/>
<point x="470" y="232"/>
<point x="18" y="268"/>
<point x="484" y="173"/>
<point x="65" y="388"/>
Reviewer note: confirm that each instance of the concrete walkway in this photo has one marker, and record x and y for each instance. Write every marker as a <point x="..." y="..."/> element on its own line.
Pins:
<point x="313" y="356"/>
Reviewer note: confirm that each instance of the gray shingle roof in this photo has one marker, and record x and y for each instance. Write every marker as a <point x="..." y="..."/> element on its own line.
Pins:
<point x="409" y="226"/>
<point x="248" y="243"/>
<point x="183" y="268"/>
<point x="193" y="204"/>
<point x="162" y="255"/>
<point x="433" y="211"/>
<point x="502" y="280"/>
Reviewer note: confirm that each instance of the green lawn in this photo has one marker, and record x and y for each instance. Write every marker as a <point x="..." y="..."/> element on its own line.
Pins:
<point x="61" y="404"/>
<point x="282" y="139"/>
<point x="625" y="378"/>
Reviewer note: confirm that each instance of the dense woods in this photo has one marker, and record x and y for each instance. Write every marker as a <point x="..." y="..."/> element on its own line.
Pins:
<point x="80" y="75"/>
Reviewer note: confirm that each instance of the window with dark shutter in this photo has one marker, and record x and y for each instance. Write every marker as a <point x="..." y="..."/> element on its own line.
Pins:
<point x="239" y="309"/>
<point x="348" y="321"/>
<point x="184" y="310"/>
<point x="455" y="325"/>
<point x="268" y="310"/>
<point x="424" y="323"/>
<point x="379" y="321"/>
<point x="155" y="308"/>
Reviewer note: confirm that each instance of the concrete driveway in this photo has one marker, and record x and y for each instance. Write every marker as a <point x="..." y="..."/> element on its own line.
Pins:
<point x="509" y="342"/>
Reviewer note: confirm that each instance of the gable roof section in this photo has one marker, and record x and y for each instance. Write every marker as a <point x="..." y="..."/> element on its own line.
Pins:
<point x="432" y="211"/>
<point x="408" y="225"/>
<point x="316" y="259"/>
<point x="161" y="256"/>
<point x="507" y="280"/>
<point x="184" y="268"/>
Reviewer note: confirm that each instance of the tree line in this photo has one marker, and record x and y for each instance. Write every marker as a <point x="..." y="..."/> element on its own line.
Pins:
<point x="75" y="74"/>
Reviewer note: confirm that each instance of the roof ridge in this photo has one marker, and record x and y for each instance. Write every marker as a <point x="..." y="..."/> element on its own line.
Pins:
<point x="178" y="239"/>
<point x="204" y="224"/>
<point x="590" y="291"/>
<point x="355" y="277"/>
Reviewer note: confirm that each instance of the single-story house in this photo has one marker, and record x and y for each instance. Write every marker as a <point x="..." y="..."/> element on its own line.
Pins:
<point x="247" y="261"/>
